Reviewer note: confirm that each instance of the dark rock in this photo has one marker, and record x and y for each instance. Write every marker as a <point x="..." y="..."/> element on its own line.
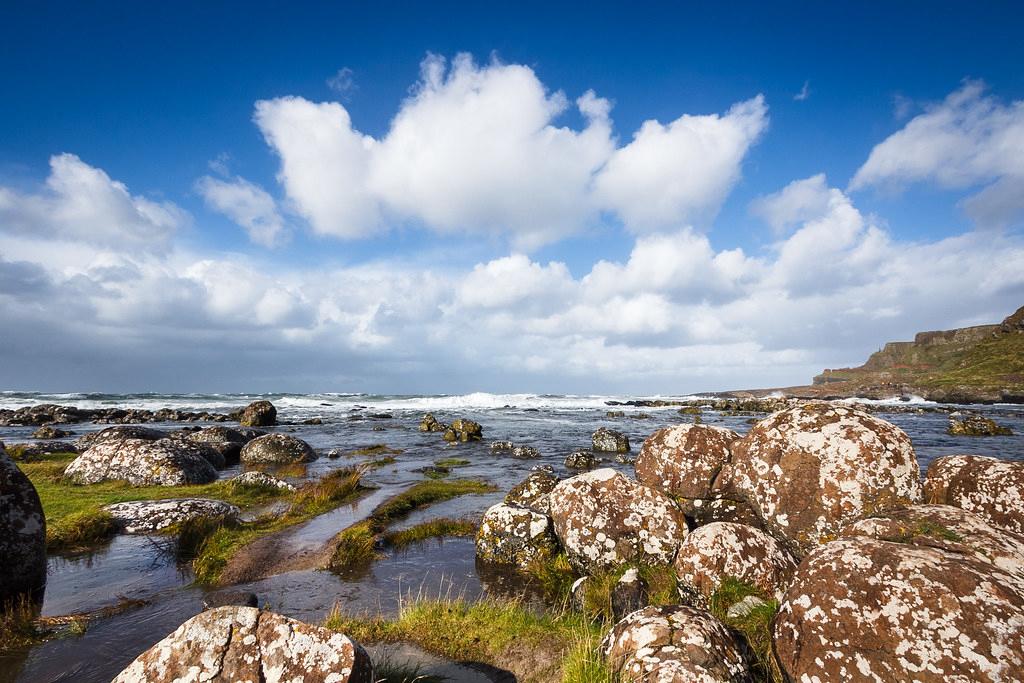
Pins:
<point x="259" y="414"/>
<point x="22" y="538"/>
<point x="581" y="460"/>
<point x="629" y="594"/>
<point x="525" y="452"/>
<point x="606" y="440"/>
<point x="276" y="449"/>
<point x="247" y="644"/>
<point x="975" y="425"/>
<point x="50" y="432"/>
<point x="430" y="424"/>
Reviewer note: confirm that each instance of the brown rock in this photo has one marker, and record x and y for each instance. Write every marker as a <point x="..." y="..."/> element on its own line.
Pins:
<point x="247" y="644"/>
<point x="862" y="609"/>
<point x="684" y="460"/>
<point x="534" y="492"/>
<point x="674" y="644"/>
<point x="989" y="487"/>
<point x="276" y="449"/>
<point x="604" y="519"/>
<point x="711" y="553"/>
<point x="811" y="470"/>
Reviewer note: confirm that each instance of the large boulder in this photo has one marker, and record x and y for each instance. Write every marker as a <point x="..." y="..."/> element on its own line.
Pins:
<point x="604" y="519"/>
<point x="811" y="470"/>
<point x="276" y="449"/>
<point x="22" y="537"/>
<point x="606" y="440"/>
<point x="991" y="488"/>
<point x="534" y="492"/>
<point x="152" y="516"/>
<point x="228" y="442"/>
<point x="721" y="550"/>
<point x="684" y="460"/>
<point x="118" y="433"/>
<point x="866" y="609"/>
<point x="675" y="644"/>
<point x="165" y="462"/>
<point x="258" y="414"/>
<point x="247" y="644"/>
<point x="515" y="536"/>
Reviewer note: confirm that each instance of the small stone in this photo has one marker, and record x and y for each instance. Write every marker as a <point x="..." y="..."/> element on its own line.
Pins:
<point x="744" y="607"/>
<point x="581" y="460"/>
<point x="606" y="440"/>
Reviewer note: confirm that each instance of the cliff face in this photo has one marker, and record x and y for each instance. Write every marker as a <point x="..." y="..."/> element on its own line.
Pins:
<point x="983" y="364"/>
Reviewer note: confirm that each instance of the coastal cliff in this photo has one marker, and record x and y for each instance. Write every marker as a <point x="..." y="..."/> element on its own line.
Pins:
<point x="982" y="364"/>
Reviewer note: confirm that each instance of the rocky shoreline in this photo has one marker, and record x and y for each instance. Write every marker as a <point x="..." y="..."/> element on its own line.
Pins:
<point x="811" y="548"/>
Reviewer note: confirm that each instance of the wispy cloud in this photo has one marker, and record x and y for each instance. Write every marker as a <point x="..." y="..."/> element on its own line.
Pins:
<point x="343" y="82"/>
<point x="804" y="93"/>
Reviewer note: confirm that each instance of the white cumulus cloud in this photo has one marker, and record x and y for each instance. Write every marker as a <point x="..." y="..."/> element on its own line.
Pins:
<point x="247" y="204"/>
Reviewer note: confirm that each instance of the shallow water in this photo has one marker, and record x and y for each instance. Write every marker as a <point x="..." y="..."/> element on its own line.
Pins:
<point x="141" y="568"/>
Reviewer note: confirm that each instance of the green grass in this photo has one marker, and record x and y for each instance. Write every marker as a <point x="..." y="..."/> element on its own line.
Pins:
<point x="755" y="626"/>
<point x="80" y="531"/>
<point x="435" y="528"/>
<point x="214" y="544"/>
<point x="505" y="634"/>
<point x="926" y="528"/>
<point x="376" y="449"/>
<point x="75" y="519"/>
<point x="356" y="546"/>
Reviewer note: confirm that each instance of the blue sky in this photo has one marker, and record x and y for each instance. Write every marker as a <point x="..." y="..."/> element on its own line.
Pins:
<point x="157" y="98"/>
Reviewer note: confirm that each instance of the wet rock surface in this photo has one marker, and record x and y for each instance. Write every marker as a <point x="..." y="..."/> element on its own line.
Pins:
<point x="988" y="487"/>
<point x="711" y="553"/>
<point x="228" y="442"/>
<point x="581" y="460"/>
<point x="139" y="462"/>
<point x="50" y="432"/>
<point x="151" y="516"/>
<point x="515" y="536"/>
<point x="863" y="609"/>
<point x="50" y="413"/>
<point x="604" y="519"/>
<point x="975" y="425"/>
<point x="276" y="449"/>
<point x="684" y="460"/>
<point x="258" y="414"/>
<point x="463" y="431"/>
<point x="247" y="644"/>
<point x="810" y="470"/>
<point x="606" y="440"/>
<point x="22" y="537"/>
<point x="675" y="644"/>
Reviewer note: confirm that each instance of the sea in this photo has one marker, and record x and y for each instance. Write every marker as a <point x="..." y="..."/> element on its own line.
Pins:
<point x="142" y="568"/>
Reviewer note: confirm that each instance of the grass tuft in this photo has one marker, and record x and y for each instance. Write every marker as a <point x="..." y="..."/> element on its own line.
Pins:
<point x="80" y="531"/>
<point x="755" y="626"/>
<point x="376" y="449"/>
<point x="435" y="528"/>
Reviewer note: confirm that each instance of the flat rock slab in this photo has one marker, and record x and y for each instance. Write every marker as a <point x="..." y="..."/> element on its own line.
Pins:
<point x="151" y="516"/>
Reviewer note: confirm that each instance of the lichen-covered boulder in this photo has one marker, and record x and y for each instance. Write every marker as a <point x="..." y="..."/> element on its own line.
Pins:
<point x="164" y="462"/>
<point x="204" y="450"/>
<point x="534" y="492"/>
<point x="675" y="644"/>
<point x="811" y="470"/>
<point x="22" y="537"/>
<point x="864" y="609"/>
<point x="151" y="516"/>
<point x="118" y="433"/>
<point x="463" y="431"/>
<point x="707" y="510"/>
<point x="581" y="459"/>
<point x="259" y="414"/>
<point x="276" y="449"/>
<point x="515" y="536"/>
<point x="947" y="528"/>
<point x="684" y="460"/>
<point x="606" y="440"/>
<point x="228" y="442"/>
<point x="261" y="479"/>
<point x="711" y="553"/>
<point x="247" y="644"/>
<point x="604" y="519"/>
<point x="988" y="487"/>
<point x="50" y="432"/>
